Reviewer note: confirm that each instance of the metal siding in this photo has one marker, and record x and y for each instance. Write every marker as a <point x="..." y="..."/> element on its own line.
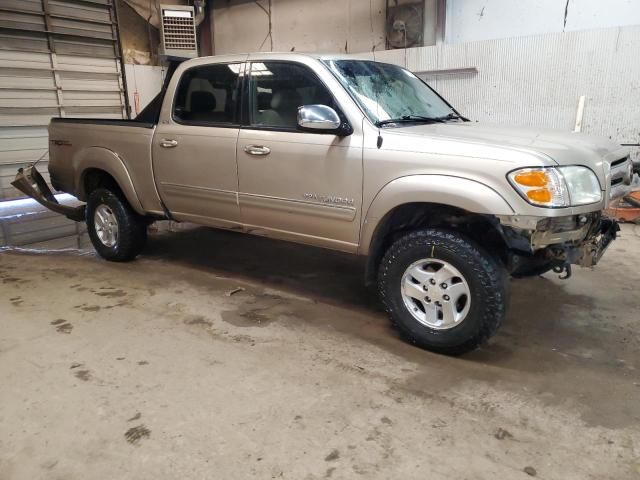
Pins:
<point x="21" y="5"/>
<point x="23" y="41"/>
<point x="61" y="64"/>
<point x="39" y="226"/>
<point x="537" y="81"/>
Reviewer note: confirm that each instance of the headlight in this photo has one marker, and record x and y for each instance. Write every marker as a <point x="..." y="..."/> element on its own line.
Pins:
<point x="582" y="184"/>
<point x="557" y="186"/>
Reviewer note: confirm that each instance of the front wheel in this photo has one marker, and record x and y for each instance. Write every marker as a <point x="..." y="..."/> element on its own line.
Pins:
<point x="442" y="291"/>
<point x="117" y="232"/>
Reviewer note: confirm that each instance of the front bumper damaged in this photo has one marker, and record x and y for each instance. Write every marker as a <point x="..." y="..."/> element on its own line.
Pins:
<point x="561" y="241"/>
<point x="589" y="253"/>
<point x="30" y="182"/>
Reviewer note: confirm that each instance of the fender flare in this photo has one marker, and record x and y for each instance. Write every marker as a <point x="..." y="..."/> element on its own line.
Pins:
<point x="110" y="162"/>
<point x="462" y="193"/>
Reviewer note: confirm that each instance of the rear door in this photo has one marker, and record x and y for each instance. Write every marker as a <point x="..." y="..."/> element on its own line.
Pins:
<point x="194" y="150"/>
<point x="298" y="185"/>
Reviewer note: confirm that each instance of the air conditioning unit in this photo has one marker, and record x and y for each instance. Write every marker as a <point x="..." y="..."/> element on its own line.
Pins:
<point x="178" y="32"/>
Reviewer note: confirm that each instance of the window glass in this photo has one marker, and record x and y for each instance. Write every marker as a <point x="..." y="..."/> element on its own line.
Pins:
<point x="278" y="89"/>
<point x="208" y="95"/>
<point x="386" y="91"/>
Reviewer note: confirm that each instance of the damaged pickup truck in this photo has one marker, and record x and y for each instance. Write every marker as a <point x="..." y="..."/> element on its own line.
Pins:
<point x="351" y="155"/>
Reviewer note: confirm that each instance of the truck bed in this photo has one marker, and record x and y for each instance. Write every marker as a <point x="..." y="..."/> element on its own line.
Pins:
<point x="81" y="147"/>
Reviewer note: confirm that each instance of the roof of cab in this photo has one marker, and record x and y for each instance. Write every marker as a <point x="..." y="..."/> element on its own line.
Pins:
<point x="243" y="57"/>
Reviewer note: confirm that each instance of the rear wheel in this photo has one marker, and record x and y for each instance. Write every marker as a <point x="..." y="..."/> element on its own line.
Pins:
<point x="117" y="232"/>
<point x="442" y="291"/>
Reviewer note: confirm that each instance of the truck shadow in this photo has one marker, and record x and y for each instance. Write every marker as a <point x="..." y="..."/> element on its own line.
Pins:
<point x="555" y="345"/>
<point x="543" y="316"/>
<point x="325" y="275"/>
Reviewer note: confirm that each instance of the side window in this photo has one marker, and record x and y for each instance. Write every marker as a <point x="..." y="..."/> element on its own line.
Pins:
<point x="208" y="95"/>
<point x="277" y="89"/>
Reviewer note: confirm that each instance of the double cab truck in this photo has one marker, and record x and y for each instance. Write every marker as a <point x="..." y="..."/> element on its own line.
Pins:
<point x="351" y="155"/>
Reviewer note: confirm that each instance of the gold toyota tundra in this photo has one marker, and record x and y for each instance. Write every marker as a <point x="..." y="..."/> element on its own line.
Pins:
<point x="350" y="155"/>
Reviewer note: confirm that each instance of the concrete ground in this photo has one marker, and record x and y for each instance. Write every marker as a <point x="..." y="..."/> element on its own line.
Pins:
<point x="222" y="356"/>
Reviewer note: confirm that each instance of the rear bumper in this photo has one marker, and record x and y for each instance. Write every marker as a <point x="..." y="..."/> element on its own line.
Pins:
<point x="30" y="182"/>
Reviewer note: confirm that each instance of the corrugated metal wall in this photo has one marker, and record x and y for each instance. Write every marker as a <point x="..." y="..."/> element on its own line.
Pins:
<point x="26" y="223"/>
<point x="57" y="58"/>
<point x="537" y="81"/>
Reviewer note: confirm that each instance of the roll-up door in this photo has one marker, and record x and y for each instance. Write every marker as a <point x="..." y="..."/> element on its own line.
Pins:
<point x="58" y="58"/>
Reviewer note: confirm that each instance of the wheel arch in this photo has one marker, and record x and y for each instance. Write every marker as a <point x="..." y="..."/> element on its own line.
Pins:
<point x="429" y="201"/>
<point x="102" y="167"/>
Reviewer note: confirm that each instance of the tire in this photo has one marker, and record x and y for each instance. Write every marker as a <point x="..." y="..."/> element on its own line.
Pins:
<point x="128" y="236"/>
<point x="479" y="287"/>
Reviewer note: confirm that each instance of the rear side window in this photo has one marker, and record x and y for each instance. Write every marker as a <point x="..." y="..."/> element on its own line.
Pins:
<point x="208" y="95"/>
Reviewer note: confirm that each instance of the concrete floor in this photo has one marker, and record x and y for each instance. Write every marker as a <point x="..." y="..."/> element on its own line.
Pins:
<point x="221" y="356"/>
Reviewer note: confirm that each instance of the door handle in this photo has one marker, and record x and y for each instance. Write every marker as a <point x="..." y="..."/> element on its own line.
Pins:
<point x="168" y="143"/>
<point x="257" y="150"/>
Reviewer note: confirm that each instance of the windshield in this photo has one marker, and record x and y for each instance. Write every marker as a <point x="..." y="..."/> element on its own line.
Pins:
<point x="387" y="92"/>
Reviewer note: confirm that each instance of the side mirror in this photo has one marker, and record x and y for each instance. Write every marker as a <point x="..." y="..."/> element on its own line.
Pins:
<point x="318" y="117"/>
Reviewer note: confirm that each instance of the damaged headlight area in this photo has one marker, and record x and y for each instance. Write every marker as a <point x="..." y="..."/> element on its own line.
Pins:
<point x="557" y="187"/>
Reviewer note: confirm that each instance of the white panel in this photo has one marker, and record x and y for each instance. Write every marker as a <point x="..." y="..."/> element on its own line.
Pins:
<point x="76" y="27"/>
<point x="23" y="144"/>
<point x="87" y="64"/>
<point x="23" y="5"/>
<point x="80" y="10"/>
<point x="24" y="120"/>
<point x="71" y="96"/>
<point x="10" y="40"/>
<point x="537" y="81"/>
<point x="91" y="85"/>
<point x="22" y="132"/>
<point x="116" y="115"/>
<point x="25" y="83"/>
<point x="146" y="81"/>
<point x="21" y="59"/>
<point x="306" y="26"/>
<point x="23" y="21"/>
<point x="476" y="20"/>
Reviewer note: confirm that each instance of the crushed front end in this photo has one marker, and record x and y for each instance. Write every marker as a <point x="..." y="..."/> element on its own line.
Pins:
<point x="557" y="242"/>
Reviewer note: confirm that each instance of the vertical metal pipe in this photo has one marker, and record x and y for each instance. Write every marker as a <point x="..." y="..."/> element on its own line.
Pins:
<point x="441" y="21"/>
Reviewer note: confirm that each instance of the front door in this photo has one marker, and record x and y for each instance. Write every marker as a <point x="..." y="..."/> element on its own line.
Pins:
<point x="296" y="185"/>
<point x="194" y="152"/>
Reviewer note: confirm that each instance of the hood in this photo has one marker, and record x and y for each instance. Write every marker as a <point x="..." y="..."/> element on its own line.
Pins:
<point x="562" y="148"/>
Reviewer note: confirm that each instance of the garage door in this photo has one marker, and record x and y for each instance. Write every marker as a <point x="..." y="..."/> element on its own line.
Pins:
<point x="57" y="58"/>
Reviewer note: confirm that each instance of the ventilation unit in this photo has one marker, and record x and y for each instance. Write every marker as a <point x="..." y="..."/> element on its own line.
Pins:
<point x="178" y="32"/>
<point x="405" y="24"/>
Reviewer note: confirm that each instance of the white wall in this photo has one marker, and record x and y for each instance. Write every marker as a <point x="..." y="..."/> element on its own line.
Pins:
<point x="240" y="26"/>
<point x="146" y="81"/>
<point x="473" y="20"/>
<point x="536" y="81"/>
<point x="305" y="25"/>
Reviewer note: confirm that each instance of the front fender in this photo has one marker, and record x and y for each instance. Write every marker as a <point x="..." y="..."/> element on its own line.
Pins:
<point x="104" y="159"/>
<point x="458" y="192"/>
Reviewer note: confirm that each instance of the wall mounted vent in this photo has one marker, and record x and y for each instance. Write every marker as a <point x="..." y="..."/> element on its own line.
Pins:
<point x="405" y="24"/>
<point x="178" y="32"/>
